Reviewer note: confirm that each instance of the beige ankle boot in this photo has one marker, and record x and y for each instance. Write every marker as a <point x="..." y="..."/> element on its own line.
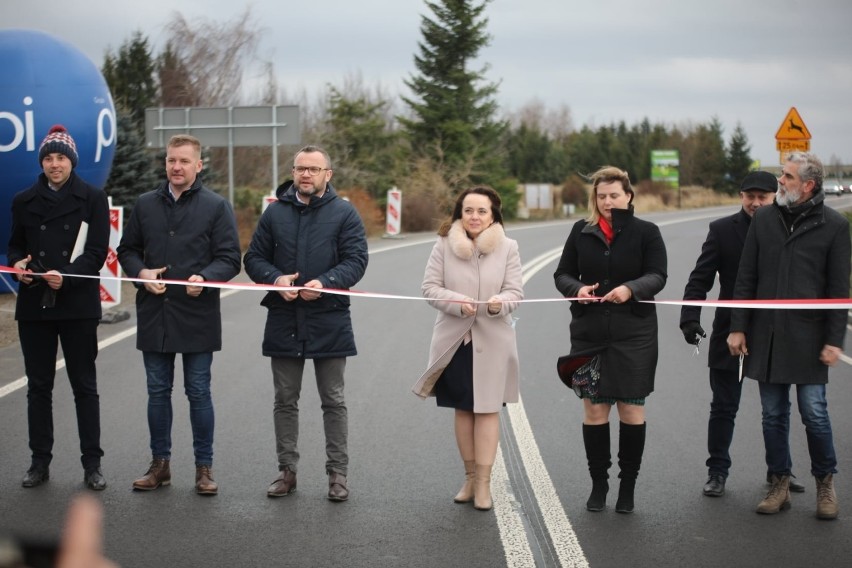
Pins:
<point x="826" y="498"/>
<point x="778" y="498"/>
<point x="482" y="488"/>
<point x="465" y="494"/>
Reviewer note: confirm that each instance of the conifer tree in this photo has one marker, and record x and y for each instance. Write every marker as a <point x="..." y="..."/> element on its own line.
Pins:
<point x="130" y="75"/>
<point x="133" y="171"/>
<point x="452" y="120"/>
<point x="738" y="158"/>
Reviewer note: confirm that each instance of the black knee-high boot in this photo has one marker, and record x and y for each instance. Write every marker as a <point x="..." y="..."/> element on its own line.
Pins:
<point x="596" y="440"/>
<point x="631" y="446"/>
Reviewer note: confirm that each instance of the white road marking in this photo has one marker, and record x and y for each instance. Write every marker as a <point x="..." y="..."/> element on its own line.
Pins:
<point x="15" y="385"/>
<point x="513" y="535"/>
<point x="121" y="336"/>
<point x="562" y="534"/>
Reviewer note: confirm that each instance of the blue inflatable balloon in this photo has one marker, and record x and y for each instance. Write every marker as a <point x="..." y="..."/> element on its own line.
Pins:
<point x="46" y="81"/>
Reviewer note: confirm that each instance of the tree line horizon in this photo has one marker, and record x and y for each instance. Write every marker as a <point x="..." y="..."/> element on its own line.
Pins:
<point x="447" y="134"/>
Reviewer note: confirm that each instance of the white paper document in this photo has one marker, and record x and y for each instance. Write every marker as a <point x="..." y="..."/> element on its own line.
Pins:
<point x="81" y="241"/>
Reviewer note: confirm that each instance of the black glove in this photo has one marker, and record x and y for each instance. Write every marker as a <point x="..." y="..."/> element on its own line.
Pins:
<point x="692" y="332"/>
<point x="48" y="297"/>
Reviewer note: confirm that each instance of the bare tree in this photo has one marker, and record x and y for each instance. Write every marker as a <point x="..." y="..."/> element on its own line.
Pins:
<point x="835" y="166"/>
<point x="556" y="124"/>
<point x="204" y="61"/>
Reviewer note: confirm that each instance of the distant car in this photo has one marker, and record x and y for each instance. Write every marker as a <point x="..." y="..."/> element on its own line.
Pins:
<point x="847" y="188"/>
<point x="832" y="188"/>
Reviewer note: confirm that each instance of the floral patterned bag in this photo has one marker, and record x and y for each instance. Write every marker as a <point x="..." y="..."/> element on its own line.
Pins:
<point x="585" y="379"/>
<point x="581" y="372"/>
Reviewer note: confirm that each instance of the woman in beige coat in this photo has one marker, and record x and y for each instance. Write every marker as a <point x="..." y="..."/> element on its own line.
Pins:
<point x="474" y="280"/>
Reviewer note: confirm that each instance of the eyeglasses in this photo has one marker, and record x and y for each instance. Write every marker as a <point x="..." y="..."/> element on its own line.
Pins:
<point x="313" y="170"/>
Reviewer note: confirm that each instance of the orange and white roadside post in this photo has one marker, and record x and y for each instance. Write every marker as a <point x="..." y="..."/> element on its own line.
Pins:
<point x="393" y="225"/>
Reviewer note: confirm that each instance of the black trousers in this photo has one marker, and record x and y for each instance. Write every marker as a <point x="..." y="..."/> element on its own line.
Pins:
<point x="727" y="390"/>
<point x="39" y="343"/>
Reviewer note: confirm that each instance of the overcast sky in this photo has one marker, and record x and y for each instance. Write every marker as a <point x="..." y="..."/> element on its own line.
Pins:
<point x="673" y="61"/>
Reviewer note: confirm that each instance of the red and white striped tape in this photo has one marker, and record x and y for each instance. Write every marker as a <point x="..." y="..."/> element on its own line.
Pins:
<point x="790" y="304"/>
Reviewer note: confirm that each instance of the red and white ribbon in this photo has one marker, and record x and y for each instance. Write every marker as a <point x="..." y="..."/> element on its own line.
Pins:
<point x="793" y="304"/>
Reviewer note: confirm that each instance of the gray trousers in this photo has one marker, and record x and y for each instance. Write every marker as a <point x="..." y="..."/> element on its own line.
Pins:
<point x="287" y="379"/>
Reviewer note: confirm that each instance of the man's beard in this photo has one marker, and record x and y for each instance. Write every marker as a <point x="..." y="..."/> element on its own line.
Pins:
<point x="786" y="198"/>
<point x="309" y="191"/>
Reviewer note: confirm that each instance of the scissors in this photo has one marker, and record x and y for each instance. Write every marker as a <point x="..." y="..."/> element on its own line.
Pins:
<point x="741" y="366"/>
<point x="697" y="351"/>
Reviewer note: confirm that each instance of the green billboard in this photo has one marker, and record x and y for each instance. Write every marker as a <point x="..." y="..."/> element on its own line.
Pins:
<point x="664" y="166"/>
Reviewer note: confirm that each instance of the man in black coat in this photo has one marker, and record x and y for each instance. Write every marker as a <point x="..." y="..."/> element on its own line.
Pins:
<point x="720" y="254"/>
<point x="796" y="249"/>
<point x="309" y="237"/>
<point x="180" y="231"/>
<point x="60" y="230"/>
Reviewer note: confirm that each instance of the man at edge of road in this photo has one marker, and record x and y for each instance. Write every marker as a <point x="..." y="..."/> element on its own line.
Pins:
<point x="795" y="249"/>
<point x="60" y="228"/>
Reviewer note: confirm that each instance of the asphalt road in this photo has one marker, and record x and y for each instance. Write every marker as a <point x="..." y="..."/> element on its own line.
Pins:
<point x="404" y="465"/>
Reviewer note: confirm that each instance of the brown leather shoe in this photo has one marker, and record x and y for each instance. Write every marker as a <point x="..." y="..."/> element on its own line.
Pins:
<point x="337" y="490"/>
<point x="158" y="474"/>
<point x="283" y="485"/>
<point x="204" y="482"/>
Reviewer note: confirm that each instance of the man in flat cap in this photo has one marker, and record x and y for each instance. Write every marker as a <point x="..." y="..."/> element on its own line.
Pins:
<point x="60" y="229"/>
<point x="720" y="254"/>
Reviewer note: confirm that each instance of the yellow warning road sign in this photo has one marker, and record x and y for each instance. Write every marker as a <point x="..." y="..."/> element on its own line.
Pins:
<point x="793" y="128"/>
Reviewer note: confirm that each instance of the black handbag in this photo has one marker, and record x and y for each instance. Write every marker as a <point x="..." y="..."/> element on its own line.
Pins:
<point x="581" y="372"/>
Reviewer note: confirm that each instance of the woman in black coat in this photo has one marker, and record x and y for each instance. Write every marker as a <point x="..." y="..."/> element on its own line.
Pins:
<point x="612" y="261"/>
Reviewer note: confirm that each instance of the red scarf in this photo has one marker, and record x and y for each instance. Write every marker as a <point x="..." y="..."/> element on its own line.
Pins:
<point x="606" y="229"/>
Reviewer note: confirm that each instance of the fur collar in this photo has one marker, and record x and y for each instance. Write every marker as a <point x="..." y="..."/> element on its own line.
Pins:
<point x="487" y="241"/>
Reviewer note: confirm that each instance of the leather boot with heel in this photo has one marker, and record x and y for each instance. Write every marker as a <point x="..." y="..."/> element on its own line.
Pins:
<point x="482" y="488"/>
<point x="465" y="494"/>
<point x="631" y="446"/>
<point x="158" y="474"/>
<point x="204" y="482"/>
<point x="596" y="440"/>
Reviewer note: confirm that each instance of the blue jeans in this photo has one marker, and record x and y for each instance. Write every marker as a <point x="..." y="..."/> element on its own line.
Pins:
<point x="727" y="391"/>
<point x="813" y="409"/>
<point x="160" y="370"/>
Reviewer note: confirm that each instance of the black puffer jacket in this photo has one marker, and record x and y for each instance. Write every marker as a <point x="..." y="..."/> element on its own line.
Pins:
<point x="197" y="234"/>
<point x="324" y="240"/>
